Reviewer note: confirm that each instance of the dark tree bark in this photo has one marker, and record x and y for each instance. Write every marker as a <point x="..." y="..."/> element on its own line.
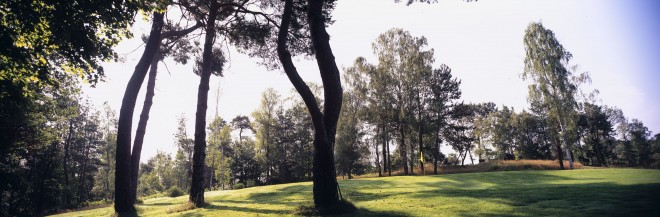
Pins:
<point x="197" y="185"/>
<point x="402" y="149"/>
<point x="380" y="173"/>
<point x="123" y="202"/>
<point x="142" y="126"/>
<point x="148" y="101"/>
<point x="324" y="175"/>
<point x="389" y="157"/>
<point x="384" y="151"/>
<point x="419" y="138"/>
<point x="560" y="154"/>
<point x="412" y="153"/>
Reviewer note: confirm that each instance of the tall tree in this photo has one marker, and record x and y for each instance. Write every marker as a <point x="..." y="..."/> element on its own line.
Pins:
<point x="552" y="88"/>
<point x="404" y="58"/>
<point x="325" y="123"/>
<point x="173" y="37"/>
<point x="444" y="90"/>
<point x="123" y="188"/>
<point x="264" y="118"/>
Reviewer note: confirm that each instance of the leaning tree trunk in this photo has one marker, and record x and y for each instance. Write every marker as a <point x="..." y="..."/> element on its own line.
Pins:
<point x="560" y="155"/>
<point x="123" y="202"/>
<point x="197" y="185"/>
<point x="142" y="126"/>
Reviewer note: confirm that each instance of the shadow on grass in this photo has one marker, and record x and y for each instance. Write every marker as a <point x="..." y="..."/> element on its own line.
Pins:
<point x="522" y="194"/>
<point x="593" y="199"/>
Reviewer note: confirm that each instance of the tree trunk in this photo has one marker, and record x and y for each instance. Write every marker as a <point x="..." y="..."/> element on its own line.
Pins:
<point x="142" y="126"/>
<point x="199" y="150"/>
<point x="389" y="157"/>
<point x="412" y="153"/>
<point x="267" y="153"/>
<point x="436" y="153"/>
<point x="560" y="155"/>
<point x="380" y="173"/>
<point x="384" y="151"/>
<point x="123" y="202"/>
<point x="419" y="139"/>
<point x="324" y="178"/>
<point x="402" y="149"/>
<point x="65" y="164"/>
<point x="564" y="139"/>
<point x="325" y="182"/>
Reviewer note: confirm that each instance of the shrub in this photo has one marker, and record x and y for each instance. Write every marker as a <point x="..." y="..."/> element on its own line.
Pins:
<point x="250" y="183"/>
<point x="174" y="192"/>
<point x="239" y="186"/>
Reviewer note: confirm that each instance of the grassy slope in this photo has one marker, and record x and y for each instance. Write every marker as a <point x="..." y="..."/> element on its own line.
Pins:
<point x="587" y="192"/>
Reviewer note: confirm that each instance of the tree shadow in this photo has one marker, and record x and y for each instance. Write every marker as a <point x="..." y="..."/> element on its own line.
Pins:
<point x="591" y="199"/>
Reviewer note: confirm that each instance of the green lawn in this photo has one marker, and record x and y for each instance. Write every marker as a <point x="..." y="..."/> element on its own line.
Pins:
<point x="586" y="192"/>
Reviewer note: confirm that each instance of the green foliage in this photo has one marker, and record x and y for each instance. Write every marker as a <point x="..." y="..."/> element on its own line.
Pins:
<point x="38" y="46"/>
<point x="250" y="183"/>
<point x="174" y="192"/>
<point x="239" y="186"/>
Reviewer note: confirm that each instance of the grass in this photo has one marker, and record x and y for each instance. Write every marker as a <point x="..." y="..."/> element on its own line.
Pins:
<point x="492" y="166"/>
<point x="585" y="192"/>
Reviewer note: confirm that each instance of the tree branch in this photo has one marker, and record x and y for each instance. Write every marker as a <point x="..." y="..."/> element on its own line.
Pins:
<point x="291" y="71"/>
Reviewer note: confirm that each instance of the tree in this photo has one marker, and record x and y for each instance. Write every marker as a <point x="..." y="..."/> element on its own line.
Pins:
<point x="444" y="90"/>
<point x="215" y="147"/>
<point x="264" y="123"/>
<point x="123" y="188"/>
<point x="104" y="185"/>
<point x="325" y="123"/>
<point x="350" y="148"/>
<point x="241" y="122"/>
<point x="639" y="138"/>
<point x="244" y="28"/>
<point x="597" y="134"/>
<point x="174" y="40"/>
<point x="184" y="155"/>
<point x="552" y="88"/>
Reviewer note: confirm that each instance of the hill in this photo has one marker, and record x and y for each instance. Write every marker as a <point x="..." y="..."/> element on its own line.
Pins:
<point x="585" y="192"/>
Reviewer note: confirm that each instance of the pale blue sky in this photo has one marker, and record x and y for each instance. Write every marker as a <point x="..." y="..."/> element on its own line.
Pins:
<point x="616" y="41"/>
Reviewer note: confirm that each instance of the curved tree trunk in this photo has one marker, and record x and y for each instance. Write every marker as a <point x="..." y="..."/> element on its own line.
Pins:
<point x="123" y="202"/>
<point x="197" y="185"/>
<point x="325" y="188"/>
<point x="142" y="126"/>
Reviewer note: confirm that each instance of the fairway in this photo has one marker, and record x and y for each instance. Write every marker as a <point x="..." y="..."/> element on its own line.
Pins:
<point x="586" y="192"/>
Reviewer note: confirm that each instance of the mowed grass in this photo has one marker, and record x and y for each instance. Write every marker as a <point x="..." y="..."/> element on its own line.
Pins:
<point x="585" y="192"/>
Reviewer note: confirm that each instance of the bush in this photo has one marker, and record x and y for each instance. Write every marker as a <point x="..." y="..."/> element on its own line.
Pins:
<point x="174" y="192"/>
<point x="239" y="186"/>
<point x="250" y="183"/>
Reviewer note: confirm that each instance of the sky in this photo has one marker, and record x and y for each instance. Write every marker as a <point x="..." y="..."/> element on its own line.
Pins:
<point x="617" y="42"/>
